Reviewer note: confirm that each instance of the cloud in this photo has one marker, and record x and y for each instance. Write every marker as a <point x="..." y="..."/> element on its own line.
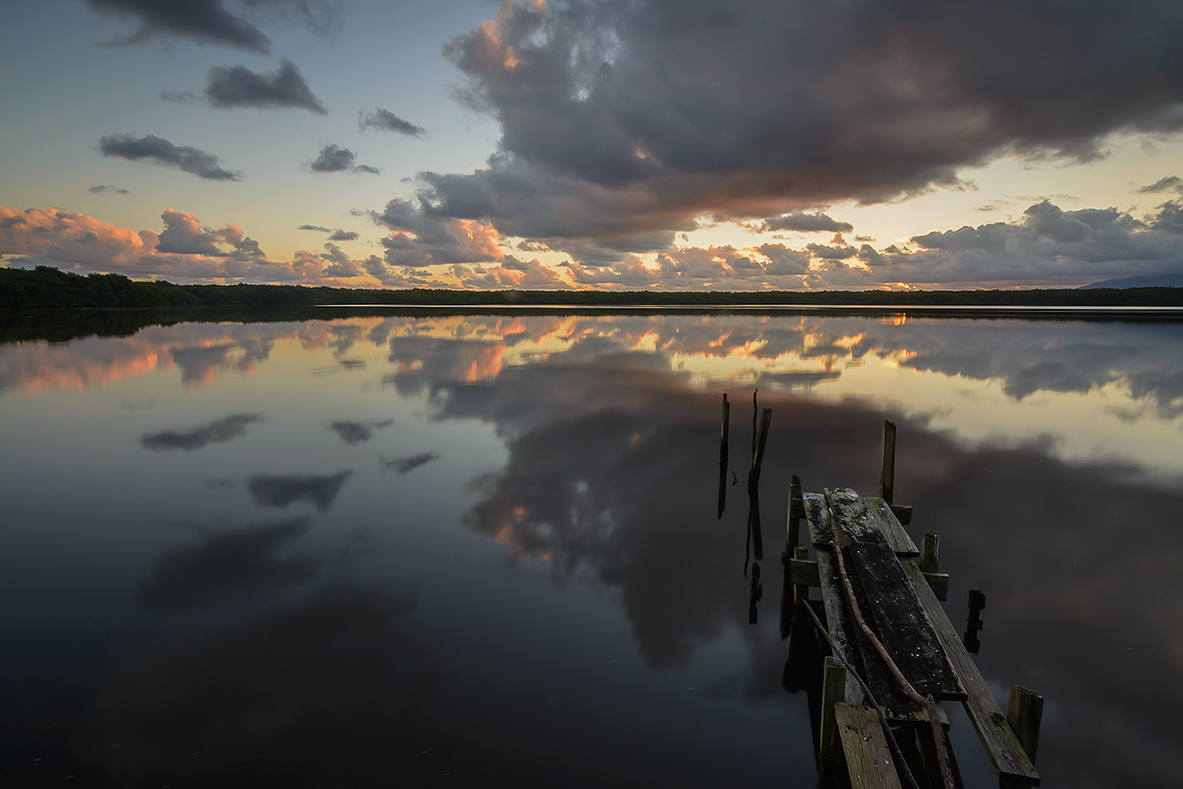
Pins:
<point x="1171" y="183"/>
<point x="623" y="122"/>
<point x="215" y="432"/>
<point x="806" y="223"/>
<point x="178" y="96"/>
<point x="281" y="490"/>
<point x="184" y="235"/>
<point x="386" y="120"/>
<point x="418" y="239"/>
<point x="75" y="239"/>
<point x="212" y="21"/>
<point x="1047" y="246"/>
<point x="334" y="159"/>
<point x="161" y="151"/>
<point x="237" y="86"/>
<point x="406" y="465"/>
<point x="103" y="188"/>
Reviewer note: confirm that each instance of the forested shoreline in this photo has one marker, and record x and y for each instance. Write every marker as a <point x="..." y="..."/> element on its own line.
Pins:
<point x="46" y="287"/>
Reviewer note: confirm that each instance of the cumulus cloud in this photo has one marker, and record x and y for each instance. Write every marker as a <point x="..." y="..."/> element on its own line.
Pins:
<point x="1047" y="246"/>
<point x="238" y="86"/>
<point x="387" y="121"/>
<point x="213" y="21"/>
<point x="335" y="159"/>
<point x="160" y="151"/>
<point x="70" y="238"/>
<point x="420" y="239"/>
<point x="621" y="122"/>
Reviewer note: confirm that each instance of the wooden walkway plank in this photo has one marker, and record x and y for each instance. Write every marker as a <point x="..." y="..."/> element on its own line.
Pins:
<point x="868" y="757"/>
<point x="891" y="607"/>
<point x="849" y="641"/>
<point x="1006" y="753"/>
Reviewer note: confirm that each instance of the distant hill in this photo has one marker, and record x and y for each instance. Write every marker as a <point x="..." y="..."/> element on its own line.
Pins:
<point x="1161" y="281"/>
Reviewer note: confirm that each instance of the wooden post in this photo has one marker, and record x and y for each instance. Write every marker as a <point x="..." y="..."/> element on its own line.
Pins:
<point x="833" y="691"/>
<point x="930" y="552"/>
<point x="796" y="511"/>
<point x="1024" y="714"/>
<point x="887" y="470"/>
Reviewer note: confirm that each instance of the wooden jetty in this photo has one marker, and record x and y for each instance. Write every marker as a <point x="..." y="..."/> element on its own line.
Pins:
<point x="894" y="656"/>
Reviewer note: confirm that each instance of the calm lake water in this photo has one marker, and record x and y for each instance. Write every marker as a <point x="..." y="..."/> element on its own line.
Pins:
<point x="466" y="550"/>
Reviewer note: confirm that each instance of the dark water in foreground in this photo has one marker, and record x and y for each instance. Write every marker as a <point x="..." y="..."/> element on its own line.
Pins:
<point x="483" y="551"/>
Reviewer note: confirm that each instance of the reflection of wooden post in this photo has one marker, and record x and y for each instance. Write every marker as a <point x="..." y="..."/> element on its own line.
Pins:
<point x="723" y="454"/>
<point x="887" y="470"/>
<point x="833" y="691"/>
<point x="761" y="440"/>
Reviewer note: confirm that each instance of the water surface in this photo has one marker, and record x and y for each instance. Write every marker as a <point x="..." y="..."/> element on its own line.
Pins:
<point x="483" y="550"/>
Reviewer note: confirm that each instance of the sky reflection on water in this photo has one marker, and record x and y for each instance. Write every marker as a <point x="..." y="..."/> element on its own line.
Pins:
<point x="483" y="550"/>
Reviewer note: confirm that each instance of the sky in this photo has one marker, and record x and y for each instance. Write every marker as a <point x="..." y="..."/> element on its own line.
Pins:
<point x="611" y="144"/>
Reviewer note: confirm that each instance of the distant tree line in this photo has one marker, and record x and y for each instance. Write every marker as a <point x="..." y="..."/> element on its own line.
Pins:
<point x="47" y="287"/>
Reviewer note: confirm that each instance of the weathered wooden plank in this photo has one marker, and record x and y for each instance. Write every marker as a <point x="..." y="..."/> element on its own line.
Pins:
<point x="849" y="642"/>
<point x="891" y="608"/>
<point x="882" y="517"/>
<point x="868" y="757"/>
<point x="1006" y="753"/>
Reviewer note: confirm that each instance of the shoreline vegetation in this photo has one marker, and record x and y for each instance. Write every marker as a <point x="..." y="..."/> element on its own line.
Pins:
<point x="47" y="287"/>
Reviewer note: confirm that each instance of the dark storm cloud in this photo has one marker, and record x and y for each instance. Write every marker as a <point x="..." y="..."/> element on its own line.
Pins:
<point x="806" y="223"/>
<point x="406" y="465"/>
<point x="335" y="159"/>
<point x="212" y="21"/>
<point x="357" y="432"/>
<point x="161" y="151"/>
<point x="227" y="569"/>
<point x="269" y="490"/>
<point x="620" y="120"/>
<point x="215" y="432"/>
<point x="238" y="86"/>
<point x="388" y="121"/>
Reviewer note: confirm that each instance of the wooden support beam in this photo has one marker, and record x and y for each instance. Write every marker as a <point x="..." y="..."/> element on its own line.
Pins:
<point x="868" y="758"/>
<point x="998" y="738"/>
<point x="724" y="454"/>
<point x="803" y="571"/>
<point x="887" y="469"/>
<point x="833" y="691"/>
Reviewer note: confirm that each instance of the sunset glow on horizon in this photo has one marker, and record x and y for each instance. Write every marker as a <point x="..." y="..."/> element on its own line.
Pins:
<point x="609" y="145"/>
